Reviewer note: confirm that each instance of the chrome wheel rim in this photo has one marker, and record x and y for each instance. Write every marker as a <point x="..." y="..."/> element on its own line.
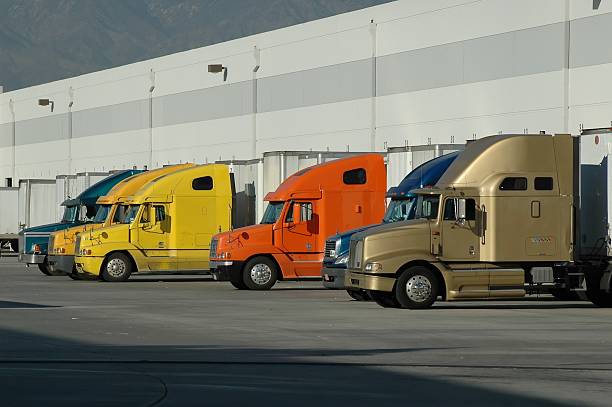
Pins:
<point x="418" y="288"/>
<point x="116" y="268"/>
<point x="261" y="274"/>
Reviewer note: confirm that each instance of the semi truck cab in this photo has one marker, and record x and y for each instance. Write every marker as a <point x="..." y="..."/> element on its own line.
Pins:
<point x="503" y="218"/>
<point x="33" y="242"/>
<point x="289" y="242"/>
<point x="167" y="227"/>
<point x="111" y="210"/>
<point x="401" y="207"/>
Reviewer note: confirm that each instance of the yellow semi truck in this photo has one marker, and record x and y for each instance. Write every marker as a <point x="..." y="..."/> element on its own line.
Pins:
<point x="512" y="214"/>
<point x="167" y="227"/>
<point x="111" y="208"/>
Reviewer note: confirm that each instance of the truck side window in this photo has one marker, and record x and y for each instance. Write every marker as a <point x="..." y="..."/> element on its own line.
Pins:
<point x="289" y="216"/>
<point x="514" y="184"/>
<point x="543" y="183"/>
<point x="305" y="211"/>
<point x="202" y="184"/>
<point x="160" y="213"/>
<point x="449" y="209"/>
<point x="144" y="218"/>
<point x="355" y="177"/>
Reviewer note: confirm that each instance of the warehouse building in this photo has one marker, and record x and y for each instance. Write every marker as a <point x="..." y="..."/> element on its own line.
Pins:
<point x="403" y="73"/>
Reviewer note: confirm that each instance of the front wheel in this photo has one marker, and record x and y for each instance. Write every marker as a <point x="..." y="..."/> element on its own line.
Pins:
<point x="359" y="295"/>
<point x="384" y="299"/>
<point x="239" y="285"/>
<point x="46" y="270"/>
<point x="260" y="273"/>
<point x="74" y="275"/>
<point x="117" y="268"/>
<point x="417" y="288"/>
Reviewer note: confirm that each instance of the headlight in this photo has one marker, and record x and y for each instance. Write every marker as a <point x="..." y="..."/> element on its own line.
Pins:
<point x="342" y="259"/>
<point x="373" y="267"/>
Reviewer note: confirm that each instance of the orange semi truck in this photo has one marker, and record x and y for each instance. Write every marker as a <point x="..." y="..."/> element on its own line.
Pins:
<point x="305" y="209"/>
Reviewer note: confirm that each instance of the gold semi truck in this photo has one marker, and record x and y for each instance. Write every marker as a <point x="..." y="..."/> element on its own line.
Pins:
<point x="511" y="215"/>
<point x="166" y="229"/>
<point x="111" y="208"/>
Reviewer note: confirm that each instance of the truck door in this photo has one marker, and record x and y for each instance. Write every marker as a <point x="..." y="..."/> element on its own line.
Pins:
<point x="461" y="243"/>
<point x="152" y="238"/>
<point x="300" y="231"/>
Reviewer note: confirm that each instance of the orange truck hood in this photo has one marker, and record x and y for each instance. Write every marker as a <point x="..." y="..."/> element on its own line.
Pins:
<point x="246" y="236"/>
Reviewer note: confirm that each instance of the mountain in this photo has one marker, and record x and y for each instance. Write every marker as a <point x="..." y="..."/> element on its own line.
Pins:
<point x="47" y="40"/>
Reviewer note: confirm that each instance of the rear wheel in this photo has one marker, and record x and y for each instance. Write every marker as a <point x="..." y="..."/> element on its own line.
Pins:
<point x="260" y="273"/>
<point x="416" y="288"/>
<point x="117" y="268"/>
<point x="595" y="294"/>
<point x="359" y="295"/>
<point x="384" y="299"/>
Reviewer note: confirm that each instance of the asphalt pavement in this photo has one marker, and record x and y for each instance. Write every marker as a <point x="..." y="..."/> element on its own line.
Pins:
<point x="190" y="341"/>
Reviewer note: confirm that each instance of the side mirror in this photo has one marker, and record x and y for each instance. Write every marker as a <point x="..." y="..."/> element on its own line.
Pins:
<point x="460" y="209"/>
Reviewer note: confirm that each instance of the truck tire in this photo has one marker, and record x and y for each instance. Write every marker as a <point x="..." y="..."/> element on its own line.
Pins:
<point x="564" y="294"/>
<point x="385" y="300"/>
<point x="260" y="273"/>
<point x="44" y="268"/>
<point x="239" y="285"/>
<point x="416" y="288"/>
<point x="117" y="268"/>
<point x="359" y="295"/>
<point x="80" y="277"/>
<point x="595" y="294"/>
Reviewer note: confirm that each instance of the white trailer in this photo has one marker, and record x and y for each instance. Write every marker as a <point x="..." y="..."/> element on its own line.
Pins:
<point x="9" y="224"/>
<point x="402" y="160"/>
<point x="36" y="202"/>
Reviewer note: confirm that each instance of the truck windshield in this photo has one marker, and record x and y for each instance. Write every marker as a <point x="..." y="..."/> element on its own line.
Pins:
<point x="102" y="214"/>
<point x="70" y="214"/>
<point x="427" y="206"/>
<point x="272" y="213"/>
<point x="400" y="209"/>
<point x="130" y="214"/>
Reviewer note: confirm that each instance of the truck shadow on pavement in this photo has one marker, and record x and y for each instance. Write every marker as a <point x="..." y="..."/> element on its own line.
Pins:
<point x="50" y="371"/>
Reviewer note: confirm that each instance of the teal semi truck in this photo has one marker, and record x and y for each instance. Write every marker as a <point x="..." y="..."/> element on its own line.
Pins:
<point x="33" y="242"/>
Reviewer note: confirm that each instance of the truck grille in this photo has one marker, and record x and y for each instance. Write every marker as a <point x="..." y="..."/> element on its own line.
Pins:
<point x="213" y="248"/>
<point x="329" y="246"/>
<point x="355" y="254"/>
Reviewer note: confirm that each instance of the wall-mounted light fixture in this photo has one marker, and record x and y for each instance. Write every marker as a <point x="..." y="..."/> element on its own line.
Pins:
<point x="46" y="102"/>
<point x="218" y="68"/>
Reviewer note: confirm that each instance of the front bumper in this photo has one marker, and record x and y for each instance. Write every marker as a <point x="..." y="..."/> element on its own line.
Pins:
<point x="226" y="270"/>
<point x="333" y="277"/>
<point x="88" y="264"/>
<point x="61" y="263"/>
<point x="29" y="258"/>
<point x="372" y="282"/>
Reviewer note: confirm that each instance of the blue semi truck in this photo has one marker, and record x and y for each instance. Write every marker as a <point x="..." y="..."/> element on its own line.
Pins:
<point x="400" y="208"/>
<point x="33" y="242"/>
